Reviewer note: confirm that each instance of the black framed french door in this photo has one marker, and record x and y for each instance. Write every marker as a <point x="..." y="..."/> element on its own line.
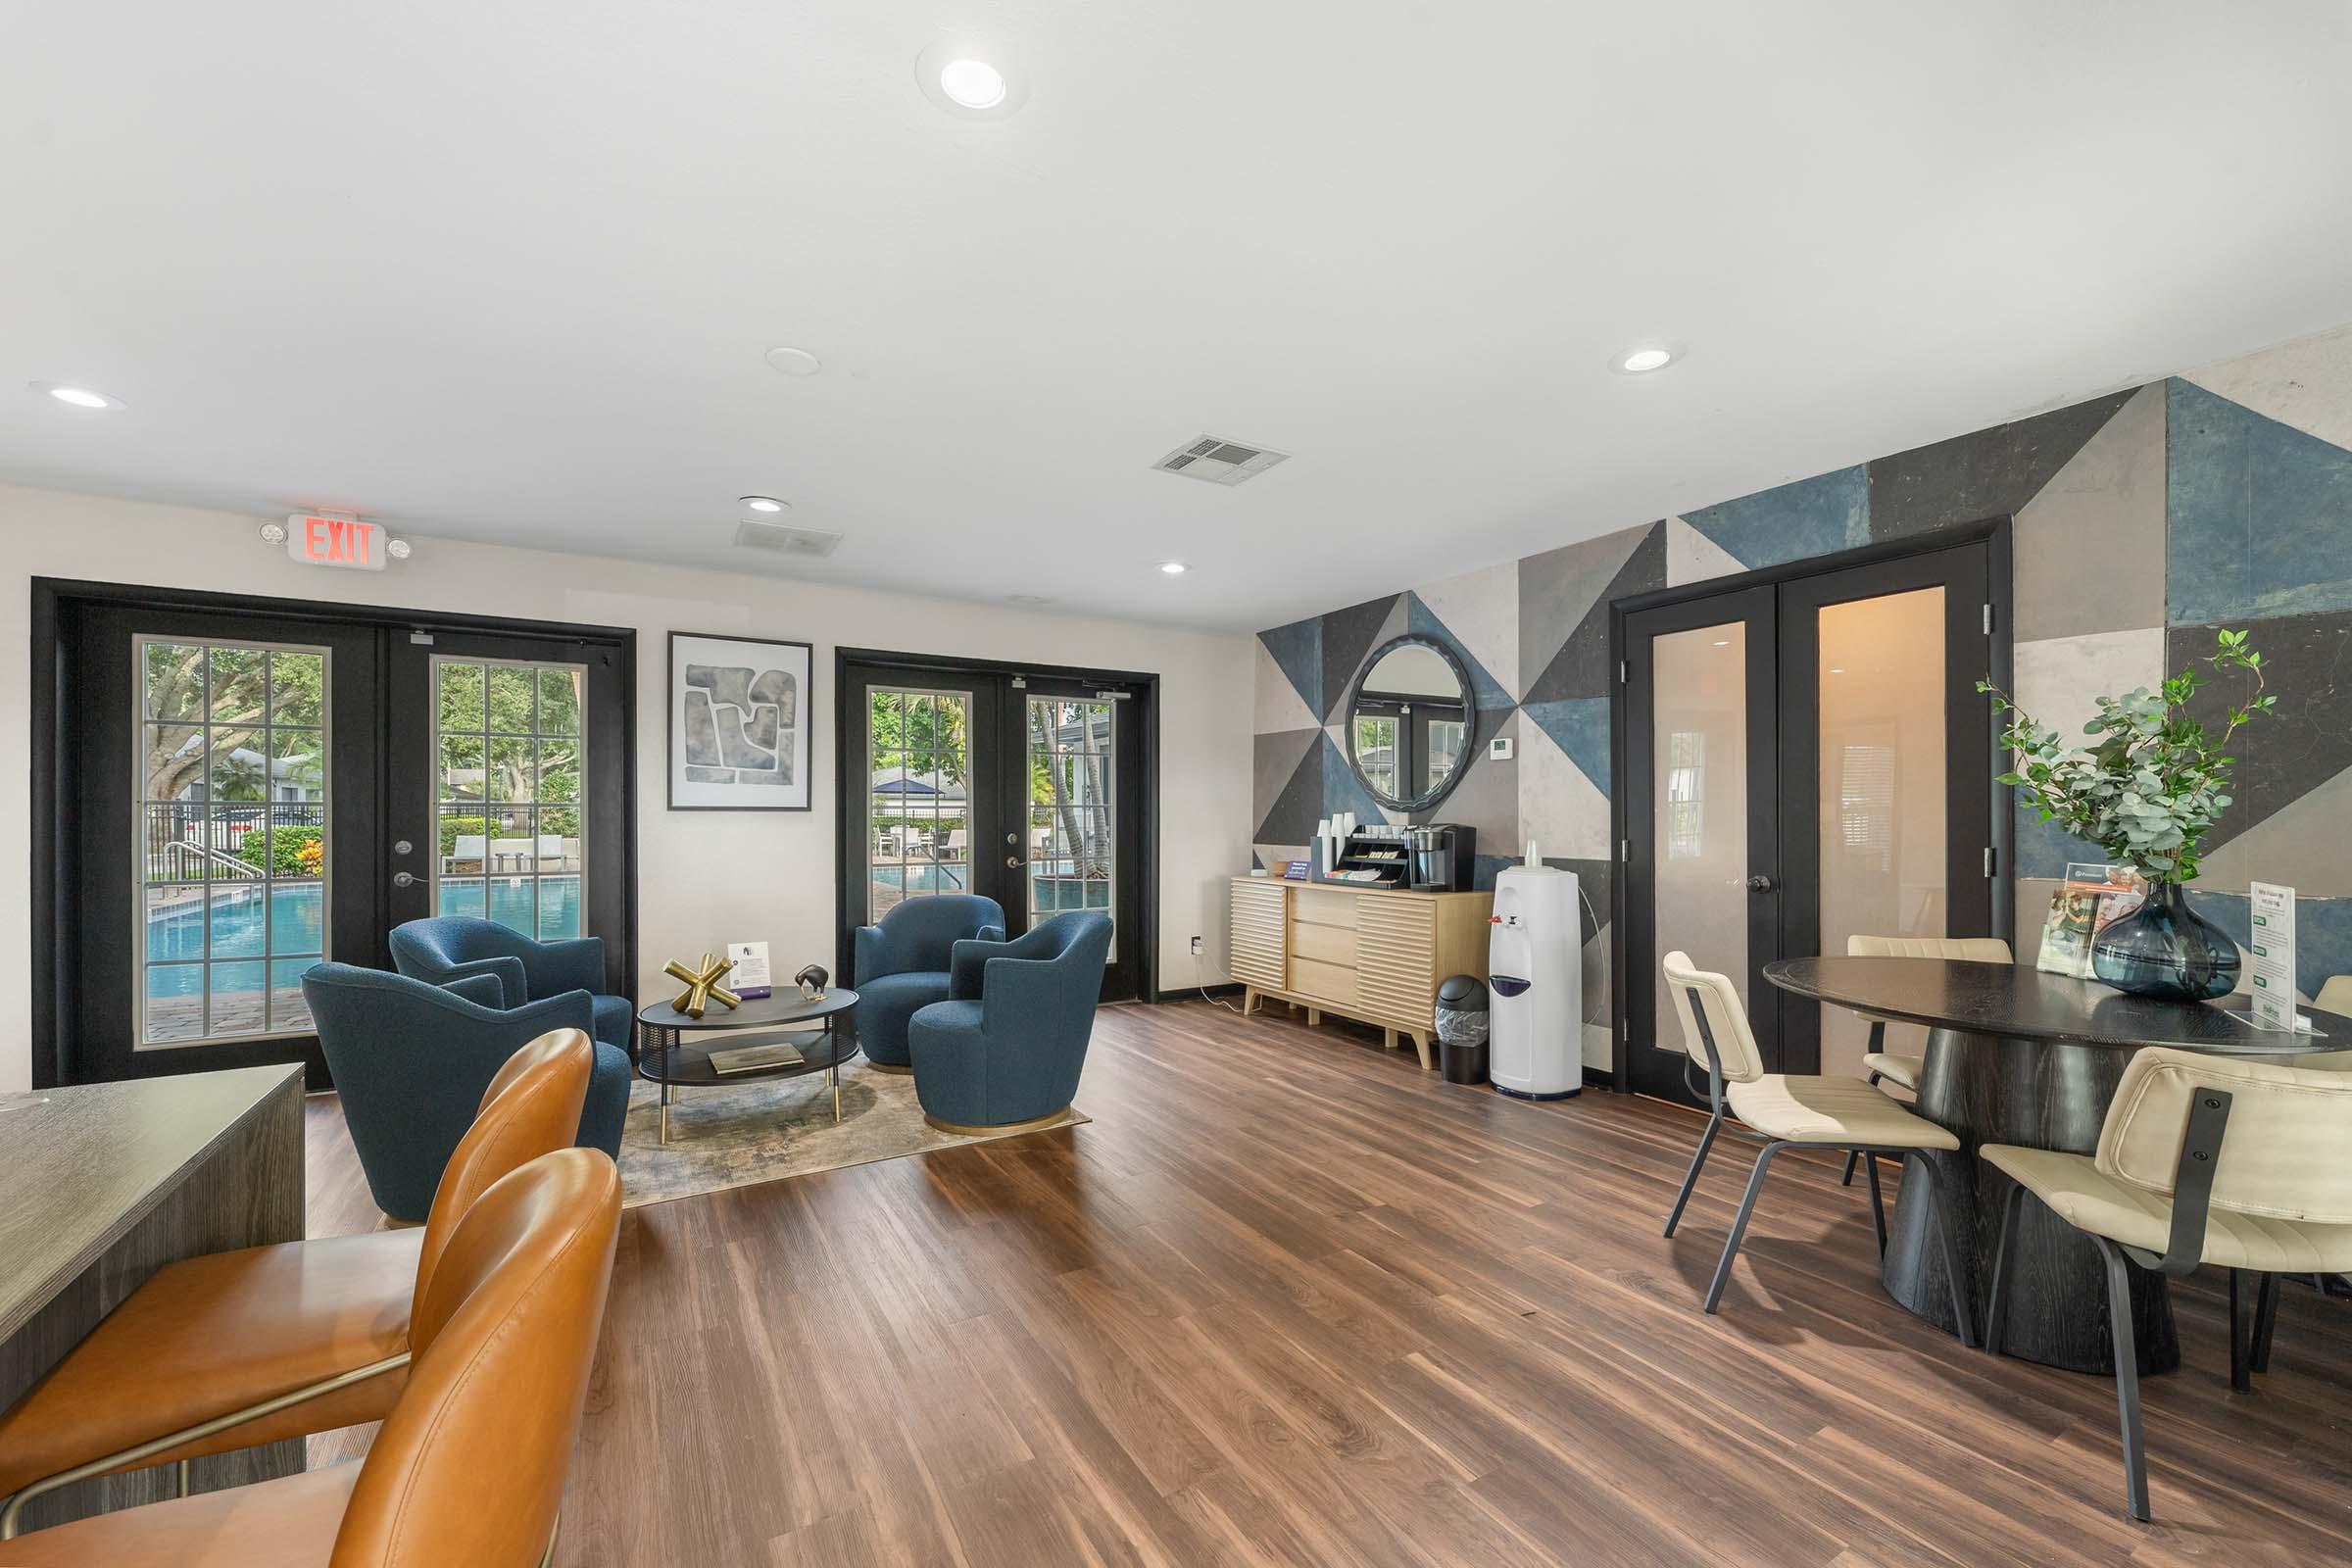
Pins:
<point x="220" y="777"/>
<point x="507" y="788"/>
<point x="227" y="790"/>
<point x="1027" y="787"/>
<point x="1702" y="861"/>
<point x="1805" y="758"/>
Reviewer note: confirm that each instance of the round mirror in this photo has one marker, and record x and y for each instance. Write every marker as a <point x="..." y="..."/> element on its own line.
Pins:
<point x="1409" y="722"/>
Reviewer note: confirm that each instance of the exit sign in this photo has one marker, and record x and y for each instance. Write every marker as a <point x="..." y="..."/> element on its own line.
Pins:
<point x="346" y="542"/>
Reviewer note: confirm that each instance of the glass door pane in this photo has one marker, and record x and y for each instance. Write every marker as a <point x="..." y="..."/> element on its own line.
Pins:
<point x="918" y="838"/>
<point x="1073" y="771"/>
<point x="1698" y="809"/>
<point x="509" y="816"/>
<point x="1883" y="860"/>
<point x="230" y="841"/>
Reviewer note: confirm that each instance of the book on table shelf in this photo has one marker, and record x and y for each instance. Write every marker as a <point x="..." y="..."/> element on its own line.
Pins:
<point x="755" y="1058"/>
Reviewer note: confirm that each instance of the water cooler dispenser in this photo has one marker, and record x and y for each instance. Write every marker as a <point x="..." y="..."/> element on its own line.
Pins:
<point x="1537" y="975"/>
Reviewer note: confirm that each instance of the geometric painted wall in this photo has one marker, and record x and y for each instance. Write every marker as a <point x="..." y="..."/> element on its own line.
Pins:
<point x="2142" y="520"/>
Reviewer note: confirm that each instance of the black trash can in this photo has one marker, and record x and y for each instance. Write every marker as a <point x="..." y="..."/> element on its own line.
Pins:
<point x="1463" y="1029"/>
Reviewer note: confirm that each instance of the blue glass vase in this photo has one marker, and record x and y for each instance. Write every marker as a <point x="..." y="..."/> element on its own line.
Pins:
<point x="2166" y="949"/>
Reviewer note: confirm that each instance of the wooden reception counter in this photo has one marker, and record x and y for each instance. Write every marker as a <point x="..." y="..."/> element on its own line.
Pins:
<point x="1376" y="955"/>
<point x="108" y="1182"/>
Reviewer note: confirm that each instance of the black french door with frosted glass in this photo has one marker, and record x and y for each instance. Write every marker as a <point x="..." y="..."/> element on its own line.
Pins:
<point x="1805" y="758"/>
<point x="1026" y="788"/>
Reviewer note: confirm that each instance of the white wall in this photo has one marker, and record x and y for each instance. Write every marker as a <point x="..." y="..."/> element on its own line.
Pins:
<point x="705" y="877"/>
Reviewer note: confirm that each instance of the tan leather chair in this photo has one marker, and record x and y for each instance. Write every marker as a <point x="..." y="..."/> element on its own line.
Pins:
<point x="1789" y="1110"/>
<point x="468" y="1467"/>
<point x="1878" y="1064"/>
<point x="238" y="1349"/>
<point x="2233" y="1161"/>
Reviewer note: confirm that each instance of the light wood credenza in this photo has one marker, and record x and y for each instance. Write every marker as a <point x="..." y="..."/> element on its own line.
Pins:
<point x="1376" y="955"/>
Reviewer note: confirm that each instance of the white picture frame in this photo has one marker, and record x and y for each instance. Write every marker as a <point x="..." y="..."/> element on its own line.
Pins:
<point x="740" y="714"/>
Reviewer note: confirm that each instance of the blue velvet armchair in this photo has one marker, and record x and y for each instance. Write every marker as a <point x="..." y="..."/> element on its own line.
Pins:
<point x="449" y="947"/>
<point x="900" y="965"/>
<point x="412" y="1059"/>
<point x="1008" y="1044"/>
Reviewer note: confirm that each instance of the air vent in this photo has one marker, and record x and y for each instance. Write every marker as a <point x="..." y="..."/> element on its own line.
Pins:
<point x="1219" y="461"/>
<point x="785" y="541"/>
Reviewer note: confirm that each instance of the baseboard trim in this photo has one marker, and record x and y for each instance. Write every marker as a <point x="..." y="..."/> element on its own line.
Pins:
<point x="1232" y="987"/>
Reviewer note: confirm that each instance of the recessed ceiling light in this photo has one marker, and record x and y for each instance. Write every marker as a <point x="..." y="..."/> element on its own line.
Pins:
<point x="1723" y="642"/>
<point x="1836" y="669"/>
<point x="1174" y="569"/>
<point x="80" y="397"/>
<point x="762" y="503"/>
<point x="1647" y="357"/>
<point x="973" y="84"/>
<point x="972" y="78"/>
<point x="794" y="362"/>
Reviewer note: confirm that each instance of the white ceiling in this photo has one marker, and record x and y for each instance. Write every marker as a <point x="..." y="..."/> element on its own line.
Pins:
<point x="507" y="271"/>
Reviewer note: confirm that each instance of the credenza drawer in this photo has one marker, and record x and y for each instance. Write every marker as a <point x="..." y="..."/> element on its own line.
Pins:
<point x="1325" y="944"/>
<point x="1324" y="907"/>
<point x="1334" y="983"/>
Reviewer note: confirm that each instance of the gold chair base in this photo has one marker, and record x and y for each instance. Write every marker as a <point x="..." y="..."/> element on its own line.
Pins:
<point x="1034" y="1124"/>
<point x="890" y="1067"/>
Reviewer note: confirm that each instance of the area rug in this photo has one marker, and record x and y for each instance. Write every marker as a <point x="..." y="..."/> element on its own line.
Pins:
<point x="739" y="1135"/>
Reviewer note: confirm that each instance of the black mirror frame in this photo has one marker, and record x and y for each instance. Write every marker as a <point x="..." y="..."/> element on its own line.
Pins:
<point x="1461" y="674"/>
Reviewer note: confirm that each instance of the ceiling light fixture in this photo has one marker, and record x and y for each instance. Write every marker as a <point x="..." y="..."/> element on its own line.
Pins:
<point x="762" y="503"/>
<point x="1174" y="569"/>
<point x="794" y="362"/>
<point x="80" y="397"/>
<point x="973" y="84"/>
<point x="1646" y="357"/>
<point x="972" y="78"/>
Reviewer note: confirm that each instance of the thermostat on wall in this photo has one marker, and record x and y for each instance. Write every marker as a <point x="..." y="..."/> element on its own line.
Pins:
<point x="1499" y="749"/>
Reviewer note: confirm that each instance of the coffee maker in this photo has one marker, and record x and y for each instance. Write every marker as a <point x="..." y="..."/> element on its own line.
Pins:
<point x="1442" y="856"/>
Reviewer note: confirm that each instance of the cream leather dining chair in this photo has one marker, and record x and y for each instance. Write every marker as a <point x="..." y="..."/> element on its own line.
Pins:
<point x="1787" y="1110"/>
<point x="1878" y="1064"/>
<point x="2233" y="1161"/>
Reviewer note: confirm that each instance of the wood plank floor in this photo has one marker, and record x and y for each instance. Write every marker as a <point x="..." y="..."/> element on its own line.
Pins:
<point x="1289" y="1300"/>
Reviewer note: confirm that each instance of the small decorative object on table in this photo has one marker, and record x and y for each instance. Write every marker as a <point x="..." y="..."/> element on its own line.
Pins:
<point x="702" y="985"/>
<point x="811" y="981"/>
<point x="751" y="970"/>
<point x="2148" y="792"/>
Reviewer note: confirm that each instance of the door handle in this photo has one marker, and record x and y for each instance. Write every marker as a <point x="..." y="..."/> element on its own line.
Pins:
<point x="1761" y="884"/>
<point x="404" y="879"/>
<point x="1014" y="863"/>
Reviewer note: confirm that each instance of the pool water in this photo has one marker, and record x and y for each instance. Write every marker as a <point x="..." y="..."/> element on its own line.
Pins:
<point x="286" y="929"/>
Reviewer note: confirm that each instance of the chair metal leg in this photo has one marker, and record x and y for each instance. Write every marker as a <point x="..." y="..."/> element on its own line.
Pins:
<point x="1854" y="1156"/>
<point x="2265" y="1319"/>
<point x="2127" y="1377"/>
<point x="2240" y="1380"/>
<point x="1997" y="1309"/>
<point x="1706" y="1141"/>
<point x="1939" y="1221"/>
<point x="1748" y="1207"/>
<point x="1878" y="1204"/>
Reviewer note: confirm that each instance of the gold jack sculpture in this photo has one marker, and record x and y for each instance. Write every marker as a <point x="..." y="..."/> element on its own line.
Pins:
<point x="702" y="985"/>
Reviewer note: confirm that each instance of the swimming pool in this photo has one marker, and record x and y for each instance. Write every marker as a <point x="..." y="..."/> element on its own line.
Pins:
<point x="285" y="929"/>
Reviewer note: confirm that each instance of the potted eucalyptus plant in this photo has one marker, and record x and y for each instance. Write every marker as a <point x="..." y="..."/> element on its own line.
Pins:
<point x="2147" y="787"/>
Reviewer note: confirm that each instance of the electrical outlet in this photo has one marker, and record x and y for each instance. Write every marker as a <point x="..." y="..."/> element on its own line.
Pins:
<point x="1195" y="947"/>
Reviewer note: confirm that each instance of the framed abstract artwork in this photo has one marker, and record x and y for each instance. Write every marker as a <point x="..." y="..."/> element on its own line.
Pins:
<point x="739" y="716"/>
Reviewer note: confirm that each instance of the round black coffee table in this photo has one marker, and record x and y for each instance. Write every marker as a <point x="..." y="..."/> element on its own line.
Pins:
<point x="2019" y="1057"/>
<point x="663" y="1058"/>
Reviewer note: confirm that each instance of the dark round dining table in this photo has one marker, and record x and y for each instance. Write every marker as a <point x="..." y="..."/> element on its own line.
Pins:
<point x="2016" y="1056"/>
